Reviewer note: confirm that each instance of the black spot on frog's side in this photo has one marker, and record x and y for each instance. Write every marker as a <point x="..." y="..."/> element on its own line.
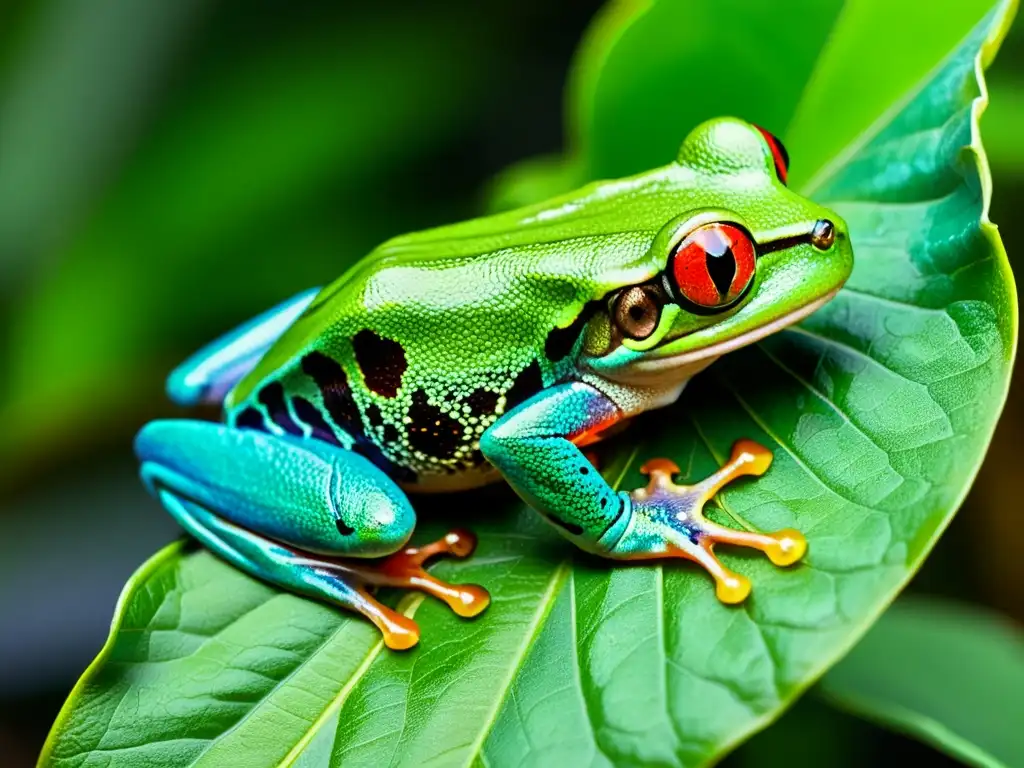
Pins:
<point x="272" y="398"/>
<point x="431" y="430"/>
<point x="250" y="418"/>
<point x="560" y="341"/>
<point x="333" y="383"/>
<point x="374" y="416"/>
<point x="388" y="432"/>
<point x="526" y="385"/>
<point x="311" y="416"/>
<point x="482" y="402"/>
<point x="340" y="404"/>
<point x="382" y="362"/>
<point x="476" y="458"/>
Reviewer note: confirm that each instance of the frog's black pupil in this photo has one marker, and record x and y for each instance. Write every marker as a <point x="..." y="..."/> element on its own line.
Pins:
<point x="637" y="312"/>
<point x="722" y="269"/>
<point x="719" y="260"/>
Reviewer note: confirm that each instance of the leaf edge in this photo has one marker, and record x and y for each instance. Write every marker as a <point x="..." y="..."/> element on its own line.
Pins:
<point x="1003" y="14"/>
<point x="911" y="722"/>
<point x="156" y="561"/>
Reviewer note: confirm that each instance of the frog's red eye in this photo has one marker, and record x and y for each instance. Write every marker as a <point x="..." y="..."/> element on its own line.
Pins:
<point x="779" y="153"/>
<point x="713" y="267"/>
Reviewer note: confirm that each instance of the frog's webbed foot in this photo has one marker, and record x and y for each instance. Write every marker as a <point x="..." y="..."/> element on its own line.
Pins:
<point x="304" y="515"/>
<point x="404" y="570"/>
<point x="346" y="582"/>
<point x="669" y="521"/>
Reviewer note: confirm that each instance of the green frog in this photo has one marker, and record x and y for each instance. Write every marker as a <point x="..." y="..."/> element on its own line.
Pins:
<point x="498" y="348"/>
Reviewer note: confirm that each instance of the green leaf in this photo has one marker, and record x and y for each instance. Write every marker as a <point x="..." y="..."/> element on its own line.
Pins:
<point x="952" y="675"/>
<point x="878" y="409"/>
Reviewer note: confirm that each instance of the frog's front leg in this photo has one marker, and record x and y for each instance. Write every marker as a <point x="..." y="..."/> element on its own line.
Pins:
<point x="293" y="511"/>
<point x="535" y="447"/>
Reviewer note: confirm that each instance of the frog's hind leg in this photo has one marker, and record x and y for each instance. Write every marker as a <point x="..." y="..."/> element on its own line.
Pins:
<point x="405" y="569"/>
<point x="209" y="373"/>
<point x="346" y="583"/>
<point x="294" y="511"/>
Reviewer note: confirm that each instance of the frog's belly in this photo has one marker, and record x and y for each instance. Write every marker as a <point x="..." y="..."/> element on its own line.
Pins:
<point x="462" y="480"/>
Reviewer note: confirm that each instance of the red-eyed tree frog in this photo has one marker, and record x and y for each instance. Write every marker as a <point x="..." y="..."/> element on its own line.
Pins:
<point x="498" y="348"/>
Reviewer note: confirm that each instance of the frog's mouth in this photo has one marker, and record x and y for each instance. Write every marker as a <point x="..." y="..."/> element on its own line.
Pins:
<point x="680" y="367"/>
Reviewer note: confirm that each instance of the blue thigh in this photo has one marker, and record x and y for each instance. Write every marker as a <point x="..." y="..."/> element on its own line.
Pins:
<point x="303" y="493"/>
<point x="208" y="374"/>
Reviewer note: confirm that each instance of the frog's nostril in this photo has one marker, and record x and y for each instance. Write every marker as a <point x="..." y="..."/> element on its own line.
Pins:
<point x="823" y="234"/>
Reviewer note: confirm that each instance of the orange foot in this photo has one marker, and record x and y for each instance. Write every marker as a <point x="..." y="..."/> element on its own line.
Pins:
<point x="670" y="521"/>
<point x="405" y="570"/>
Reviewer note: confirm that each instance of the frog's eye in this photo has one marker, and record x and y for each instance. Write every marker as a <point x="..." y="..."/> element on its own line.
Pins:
<point x="637" y="311"/>
<point x="779" y="153"/>
<point x="712" y="268"/>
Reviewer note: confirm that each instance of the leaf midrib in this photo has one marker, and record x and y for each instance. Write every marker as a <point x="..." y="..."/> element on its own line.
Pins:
<point x="336" y="701"/>
<point x="562" y="572"/>
<point x="546" y="603"/>
<point x="339" y="699"/>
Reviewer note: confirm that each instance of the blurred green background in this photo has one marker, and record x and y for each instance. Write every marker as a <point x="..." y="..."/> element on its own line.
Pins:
<point x="169" y="168"/>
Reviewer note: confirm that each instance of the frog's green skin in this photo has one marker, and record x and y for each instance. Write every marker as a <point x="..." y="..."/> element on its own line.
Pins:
<point x="484" y="349"/>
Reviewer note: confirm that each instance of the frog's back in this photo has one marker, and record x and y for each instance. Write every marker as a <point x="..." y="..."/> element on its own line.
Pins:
<point x="422" y="345"/>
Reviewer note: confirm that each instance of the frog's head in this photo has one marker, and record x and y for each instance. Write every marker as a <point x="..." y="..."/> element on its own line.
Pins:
<point x="744" y="258"/>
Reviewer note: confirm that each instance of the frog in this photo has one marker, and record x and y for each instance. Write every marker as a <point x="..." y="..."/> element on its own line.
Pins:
<point x="499" y="348"/>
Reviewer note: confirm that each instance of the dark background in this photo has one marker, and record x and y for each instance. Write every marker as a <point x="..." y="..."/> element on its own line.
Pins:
<point x="169" y="169"/>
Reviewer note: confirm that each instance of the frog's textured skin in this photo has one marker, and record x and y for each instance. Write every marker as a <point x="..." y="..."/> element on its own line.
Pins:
<point x="497" y="348"/>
